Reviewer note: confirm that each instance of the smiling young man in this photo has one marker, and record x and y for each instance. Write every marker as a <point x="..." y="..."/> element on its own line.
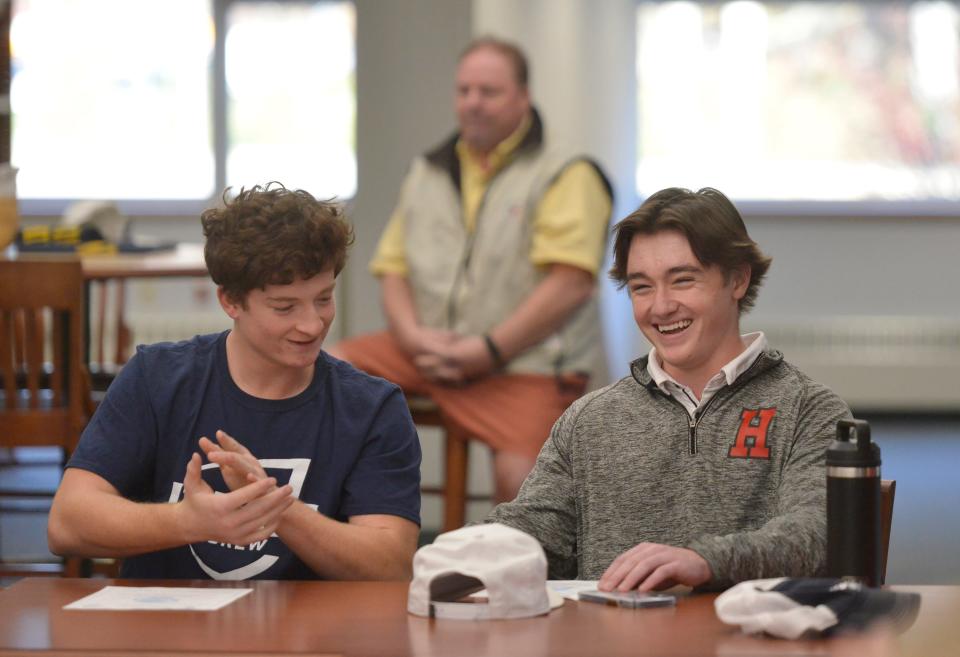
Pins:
<point x="312" y="467"/>
<point x="705" y="466"/>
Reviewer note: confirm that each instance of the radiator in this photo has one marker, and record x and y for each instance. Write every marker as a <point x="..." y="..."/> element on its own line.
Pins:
<point x="876" y="363"/>
<point x="147" y="328"/>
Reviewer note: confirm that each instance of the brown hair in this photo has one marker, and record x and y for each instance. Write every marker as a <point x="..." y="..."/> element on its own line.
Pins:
<point x="271" y="235"/>
<point x="712" y="226"/>
<point x="518" y="60"/>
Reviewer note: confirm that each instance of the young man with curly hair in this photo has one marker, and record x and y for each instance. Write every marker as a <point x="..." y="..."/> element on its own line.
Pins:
<point x="251" y="453"/>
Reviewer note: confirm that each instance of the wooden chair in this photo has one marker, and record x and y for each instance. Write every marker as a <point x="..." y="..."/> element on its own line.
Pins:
<point x="888" y="490"/>
<point x="45" y="395"/>
<point x="456" y="461"/>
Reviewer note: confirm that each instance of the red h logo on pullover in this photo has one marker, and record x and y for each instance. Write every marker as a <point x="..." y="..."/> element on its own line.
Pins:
<point x="751" y="440"/>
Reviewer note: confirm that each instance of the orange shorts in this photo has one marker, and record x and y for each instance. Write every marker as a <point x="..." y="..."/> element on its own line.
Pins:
<point x="510" y="412"/>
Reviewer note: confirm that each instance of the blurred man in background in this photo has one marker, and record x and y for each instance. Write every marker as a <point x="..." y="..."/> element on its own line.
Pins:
<point x="488" y="269"/>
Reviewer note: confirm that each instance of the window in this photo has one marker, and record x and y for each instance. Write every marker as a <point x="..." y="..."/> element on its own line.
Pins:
<point x="141" y="102"/>
<point x="290" y="85"/>
<point x="844" y="102"/>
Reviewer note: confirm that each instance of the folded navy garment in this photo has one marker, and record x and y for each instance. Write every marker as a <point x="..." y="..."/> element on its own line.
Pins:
<point x="791" y="608"/>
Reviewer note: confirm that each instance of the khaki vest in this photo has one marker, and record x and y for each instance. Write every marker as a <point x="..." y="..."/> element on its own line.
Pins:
<point x="470" y="283"/>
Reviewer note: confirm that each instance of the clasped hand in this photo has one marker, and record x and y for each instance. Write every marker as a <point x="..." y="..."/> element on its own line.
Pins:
<point x="250" y="512"/>
<point x="449" y="358"/>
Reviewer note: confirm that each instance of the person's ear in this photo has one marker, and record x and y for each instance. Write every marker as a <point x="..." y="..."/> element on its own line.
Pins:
<point x="231" y="307"/>
<point x="740" y="278"/>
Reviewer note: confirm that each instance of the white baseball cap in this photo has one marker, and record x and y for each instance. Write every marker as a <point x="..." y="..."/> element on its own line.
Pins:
<point x="508" y="563"/>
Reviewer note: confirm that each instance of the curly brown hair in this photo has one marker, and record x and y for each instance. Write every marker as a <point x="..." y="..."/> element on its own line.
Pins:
<point x="271" y="235"/>
<point x="712" y="226"/>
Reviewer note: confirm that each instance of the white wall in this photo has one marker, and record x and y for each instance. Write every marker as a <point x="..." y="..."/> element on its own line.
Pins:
<point x="860" y="265"/>
<point x="406" y="59"/>
<point x="582" y="65"/>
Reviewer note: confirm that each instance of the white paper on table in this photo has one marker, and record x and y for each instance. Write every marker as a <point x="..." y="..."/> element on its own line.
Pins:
<point x="569" y="588"/>
<point x="159" y="598"/>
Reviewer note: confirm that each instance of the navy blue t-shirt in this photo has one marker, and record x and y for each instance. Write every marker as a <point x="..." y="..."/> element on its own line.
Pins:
<point x="346" y="445"/>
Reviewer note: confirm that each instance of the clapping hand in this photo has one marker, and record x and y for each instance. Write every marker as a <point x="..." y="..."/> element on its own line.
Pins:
<point x="246" y="515"/>
<point x="237" y="465"/>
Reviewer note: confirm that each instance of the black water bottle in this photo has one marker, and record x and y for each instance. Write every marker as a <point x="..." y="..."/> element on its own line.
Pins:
<point x="853" y="504"/>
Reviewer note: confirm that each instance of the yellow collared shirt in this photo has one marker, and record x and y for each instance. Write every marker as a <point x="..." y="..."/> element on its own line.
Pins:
<point x="570" y="221"/>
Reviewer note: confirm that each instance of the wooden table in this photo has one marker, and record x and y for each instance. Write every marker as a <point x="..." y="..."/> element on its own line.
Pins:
<point x="369" y="619"/>
<point x="185" y="260"/>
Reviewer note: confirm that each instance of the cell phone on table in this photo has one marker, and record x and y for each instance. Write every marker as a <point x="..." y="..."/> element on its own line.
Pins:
<point x="631" y="599"/>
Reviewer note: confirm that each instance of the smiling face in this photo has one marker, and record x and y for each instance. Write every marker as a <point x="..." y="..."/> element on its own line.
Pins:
<point x="686" y="310"/>
<point x="279" y="330"/>
<point x="490" y="101"/>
